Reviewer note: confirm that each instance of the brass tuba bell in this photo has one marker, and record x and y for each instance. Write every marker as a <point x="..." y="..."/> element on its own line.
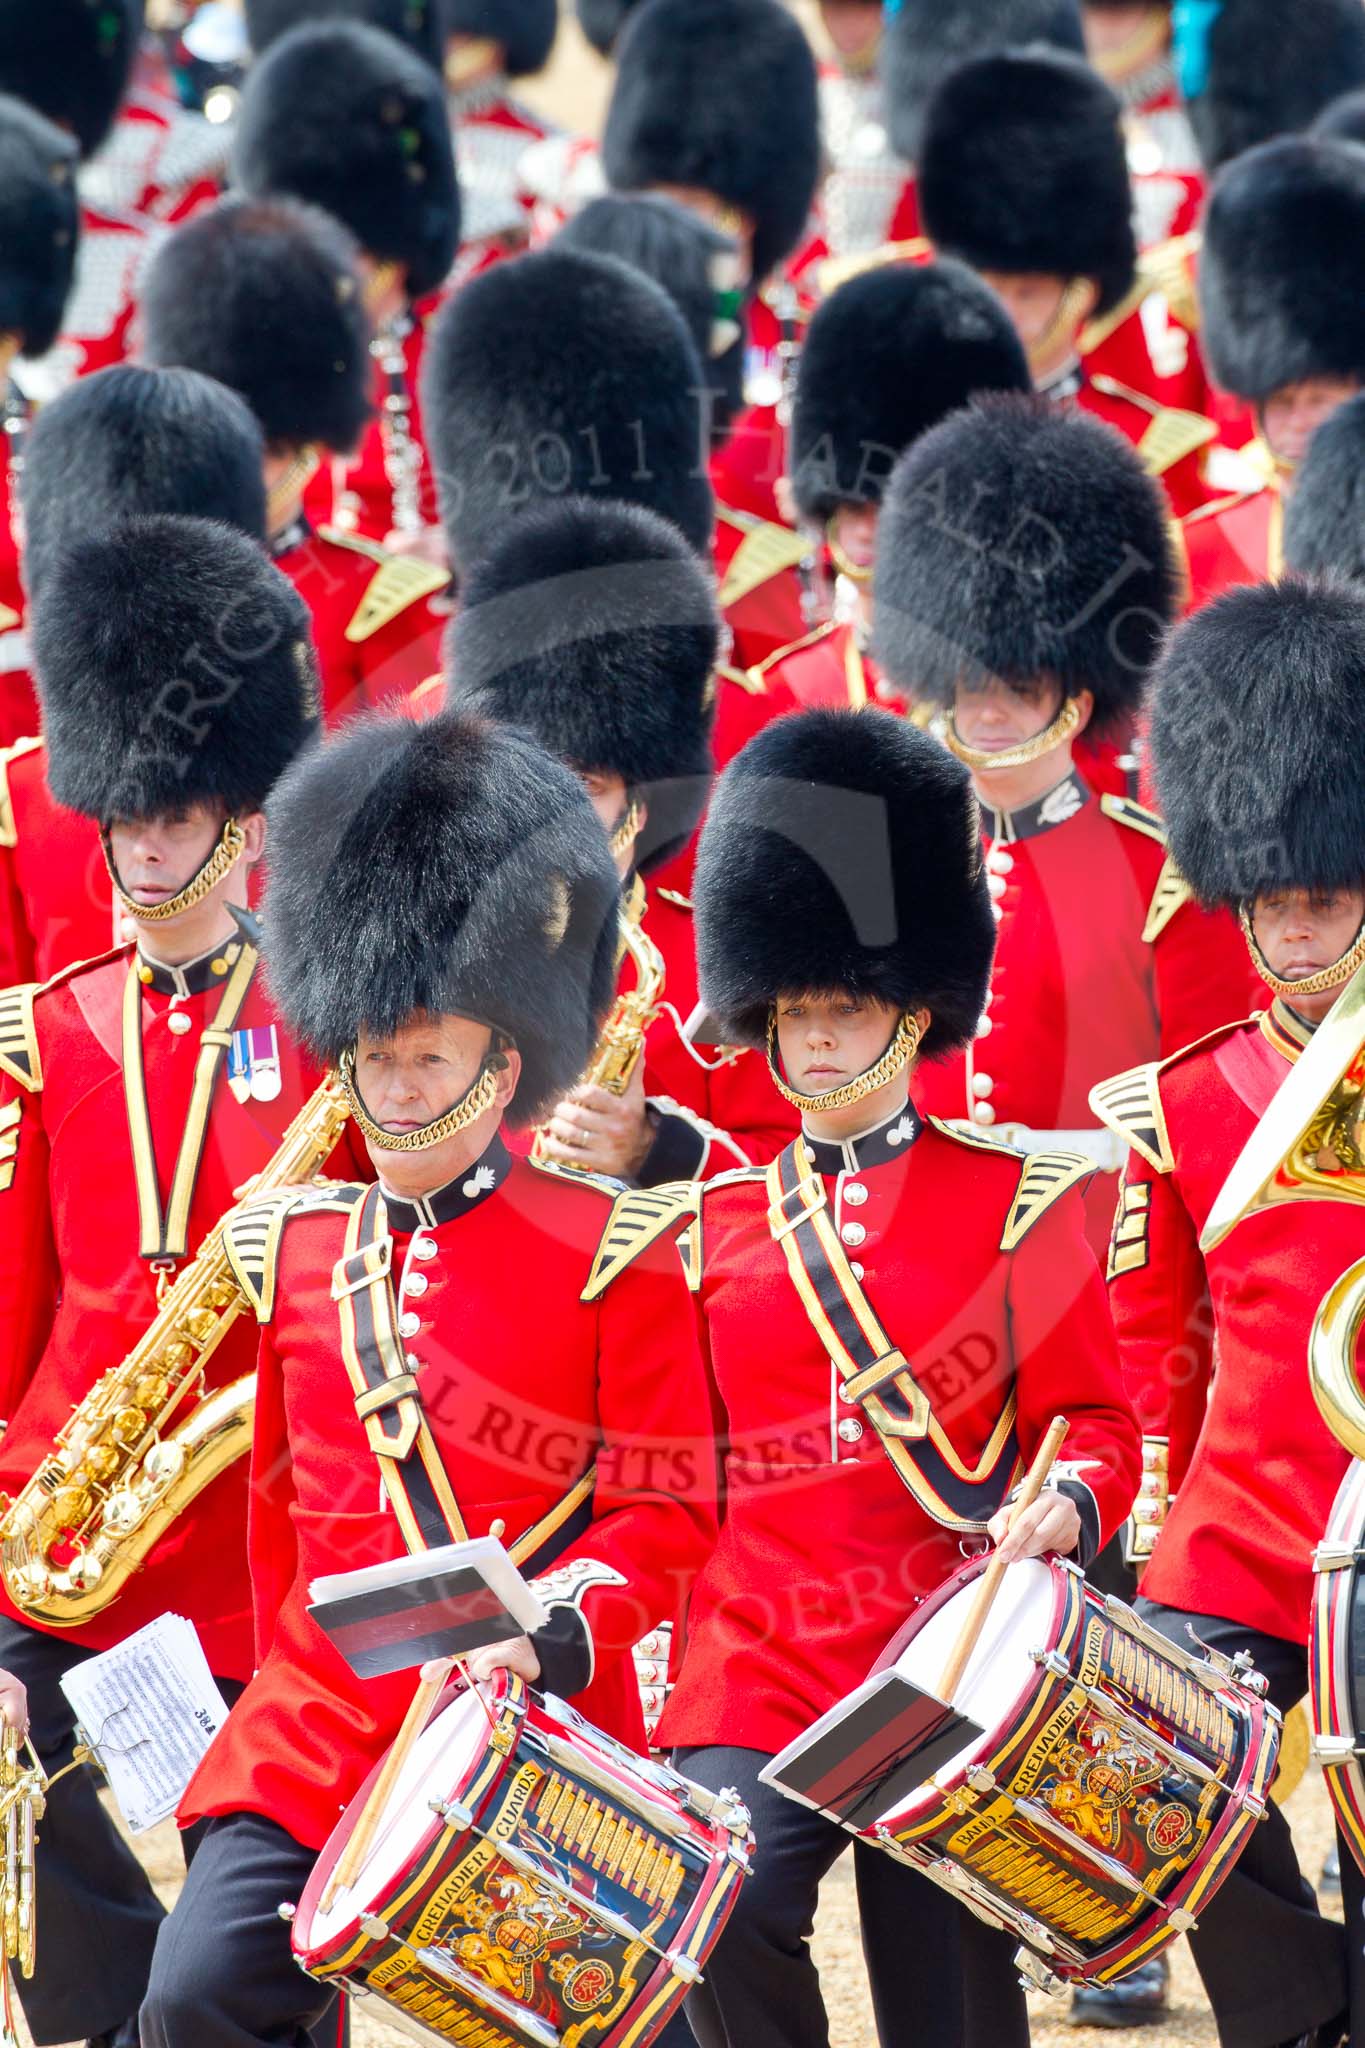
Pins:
<point x="1308" y="1147"/>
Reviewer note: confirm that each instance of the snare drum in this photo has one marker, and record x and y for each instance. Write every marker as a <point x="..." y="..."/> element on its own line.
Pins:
<point x="1336" y="1662"/>
<point x="530" y="1884"/>
<point x="1115" y="1783"/>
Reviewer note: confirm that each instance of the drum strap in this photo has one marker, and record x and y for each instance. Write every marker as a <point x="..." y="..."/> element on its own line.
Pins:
<point x="876" y="1376"/>
<point x="388" y="1402"/>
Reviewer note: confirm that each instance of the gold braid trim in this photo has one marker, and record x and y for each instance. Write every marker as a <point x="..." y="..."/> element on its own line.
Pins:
<point x="1064" y="727"/>
<point x="902" y="1049"/>
<point x="477" y="1098"/>
<point x="1315" y="984"/>
<point x="220" y="862"/>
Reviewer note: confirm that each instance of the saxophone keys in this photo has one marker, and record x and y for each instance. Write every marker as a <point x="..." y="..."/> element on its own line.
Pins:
<point x="129" y="1424"/>
<point x="165" y="1462"/>
<point x="101" y="1461"/>
<point x="122" y="1511"/>
<point x="149" y="1390"/>
<point x="72" y="1506"/>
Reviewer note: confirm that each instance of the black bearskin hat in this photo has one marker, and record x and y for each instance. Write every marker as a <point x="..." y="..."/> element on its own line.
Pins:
<point x="720" y="94"/>
<point x="447" y="867"/>
<point x="265" y="295"/>
<point x="39" y="225"/>
<point x="345" y="117"/>
<point x="131" y="441"/>
<point x="1282" y="273"/>
<point x="1023" y="167"/>
<point x="71" y="59"/>
<point x="1324" y="518"/>
<point x="595" y="626"/>
<point x="842" y="850"/>
<point x="926" y="39"/>
<point x="697" y="266"/>
<point x="175" y="666"/>
<point x="888" y="355"/>
<point x="1343" y="120"/>
<point x="413" y="22"/>
<point x="562" y="373"/>
<point x="1258" y="712"/>
<point x="602" y="21"/>
<point x="1020" y="541"/>
<point x="1270" y="69"/>
<point x="525" y="28"/>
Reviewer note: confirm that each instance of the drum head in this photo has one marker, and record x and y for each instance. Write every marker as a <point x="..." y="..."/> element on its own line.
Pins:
<point x="1001" y="1670"/>
<point x="440" y="1765"/>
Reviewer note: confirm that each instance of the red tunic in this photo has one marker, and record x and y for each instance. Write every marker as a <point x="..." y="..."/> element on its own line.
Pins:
<point x="522" y="1389"/>
<point x="56" y="902"/>
<point x="1101" y="961"/>
<point x="1233" y="541"/>
<point x="829" y="667"/>
<point x="75" y="1295"/>
<point x="762" y="569"/>
<point x="377" y="618"/>
<point x="18" y="704"/>
<point x="823" y="1550"/>
<point x="1255" y="1500"/>
<point x="161" y="160"/>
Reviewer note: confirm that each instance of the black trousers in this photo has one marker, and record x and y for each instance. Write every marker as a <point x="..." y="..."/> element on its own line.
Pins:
<point x="223" y="1975"/>
<point x="940" y="1978"/>
<point x="97" y="1915"/>
<point x="1272" y="1965"/>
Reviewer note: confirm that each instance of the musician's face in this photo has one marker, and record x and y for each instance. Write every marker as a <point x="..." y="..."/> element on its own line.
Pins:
<point x="855" y="533"/>
<point x="829" y="1038"/>
<point x="156" y="857"/>
<point x="413" y="1076"/>
<point x="1303" y="931"/>
<point x="610" y="798"/>
<point x="1292" y="415"/>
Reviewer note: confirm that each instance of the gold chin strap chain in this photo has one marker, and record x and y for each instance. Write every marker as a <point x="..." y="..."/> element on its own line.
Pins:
<point x="841" y="561"/>
<point x="902" y="1049"/>
<point x="626" y="831"/>
<point x="1064" y="727"/>
<point x="289" y="486"/>
<point x="1071" y="311"/>
<point x="220" y="862"/>
<point x="477" y="1098"/>
<point x="1331" y="977"/>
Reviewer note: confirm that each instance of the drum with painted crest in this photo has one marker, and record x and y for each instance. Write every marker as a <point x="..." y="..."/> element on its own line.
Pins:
<point x="531" y="1883"/>
<point x="1115" y="1783"/>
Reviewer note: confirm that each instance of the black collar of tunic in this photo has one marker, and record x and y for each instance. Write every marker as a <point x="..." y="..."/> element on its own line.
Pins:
<point x="457" y="1198"/>
<point x="1060" y="803"/>
<point x="878" y="1147"/>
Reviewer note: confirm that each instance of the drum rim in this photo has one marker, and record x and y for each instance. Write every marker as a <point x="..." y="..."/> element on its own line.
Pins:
<point x="507" y="1697"/>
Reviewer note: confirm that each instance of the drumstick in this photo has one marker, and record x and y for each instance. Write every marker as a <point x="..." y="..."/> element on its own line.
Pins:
<point x="995" y="1571"/>
<point x="348" y="1864"/>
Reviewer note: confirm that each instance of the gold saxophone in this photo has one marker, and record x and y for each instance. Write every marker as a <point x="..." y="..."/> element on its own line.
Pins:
<point x="1310" y="1147"/>
<point x="617" y="1052"/>
<point x="119" y="1473"/>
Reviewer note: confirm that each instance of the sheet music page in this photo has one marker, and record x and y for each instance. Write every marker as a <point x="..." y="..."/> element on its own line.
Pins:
<point x="150" y="1709"/>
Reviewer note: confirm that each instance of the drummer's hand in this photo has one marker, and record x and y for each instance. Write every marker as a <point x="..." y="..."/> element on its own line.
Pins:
<point x="1051" y="1525"/>
<point x="517" y="1654"/>
<point x="13" y="1701"/>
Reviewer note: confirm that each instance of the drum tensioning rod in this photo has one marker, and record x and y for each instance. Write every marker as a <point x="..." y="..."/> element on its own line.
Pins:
<point x="488" y="1999"/>
<point x="615" y="1923"/>
<point x="661" y="1817"/>
<point x="1007" y="1912"/>
<point x="1189" y="1766"/>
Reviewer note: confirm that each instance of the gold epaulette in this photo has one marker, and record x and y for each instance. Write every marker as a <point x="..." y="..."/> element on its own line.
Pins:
<point x="837" y="270"/>
<point x="1163" y="268"/>
<point x="1046" y="1177"/>
<point x="675" y="897"/>
<point x="252" y="1233"/>
<point x="19" y="1054"/>
<point x="639" y="1218"/>
<point x="766" y="550"/>
<point x="1170" y="434"/>
<point x="11" y="1116"/>
<point x="748" y="679"/>
<point x="9" y="835"/>
<point x="1124" y="811"/>
<point x="980" y="1141"/>
<point x="1130" y="1105"/>
<point x="398" y="581"/>
<point x="759" y="669"/>
<point x="1172" y="893"/>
